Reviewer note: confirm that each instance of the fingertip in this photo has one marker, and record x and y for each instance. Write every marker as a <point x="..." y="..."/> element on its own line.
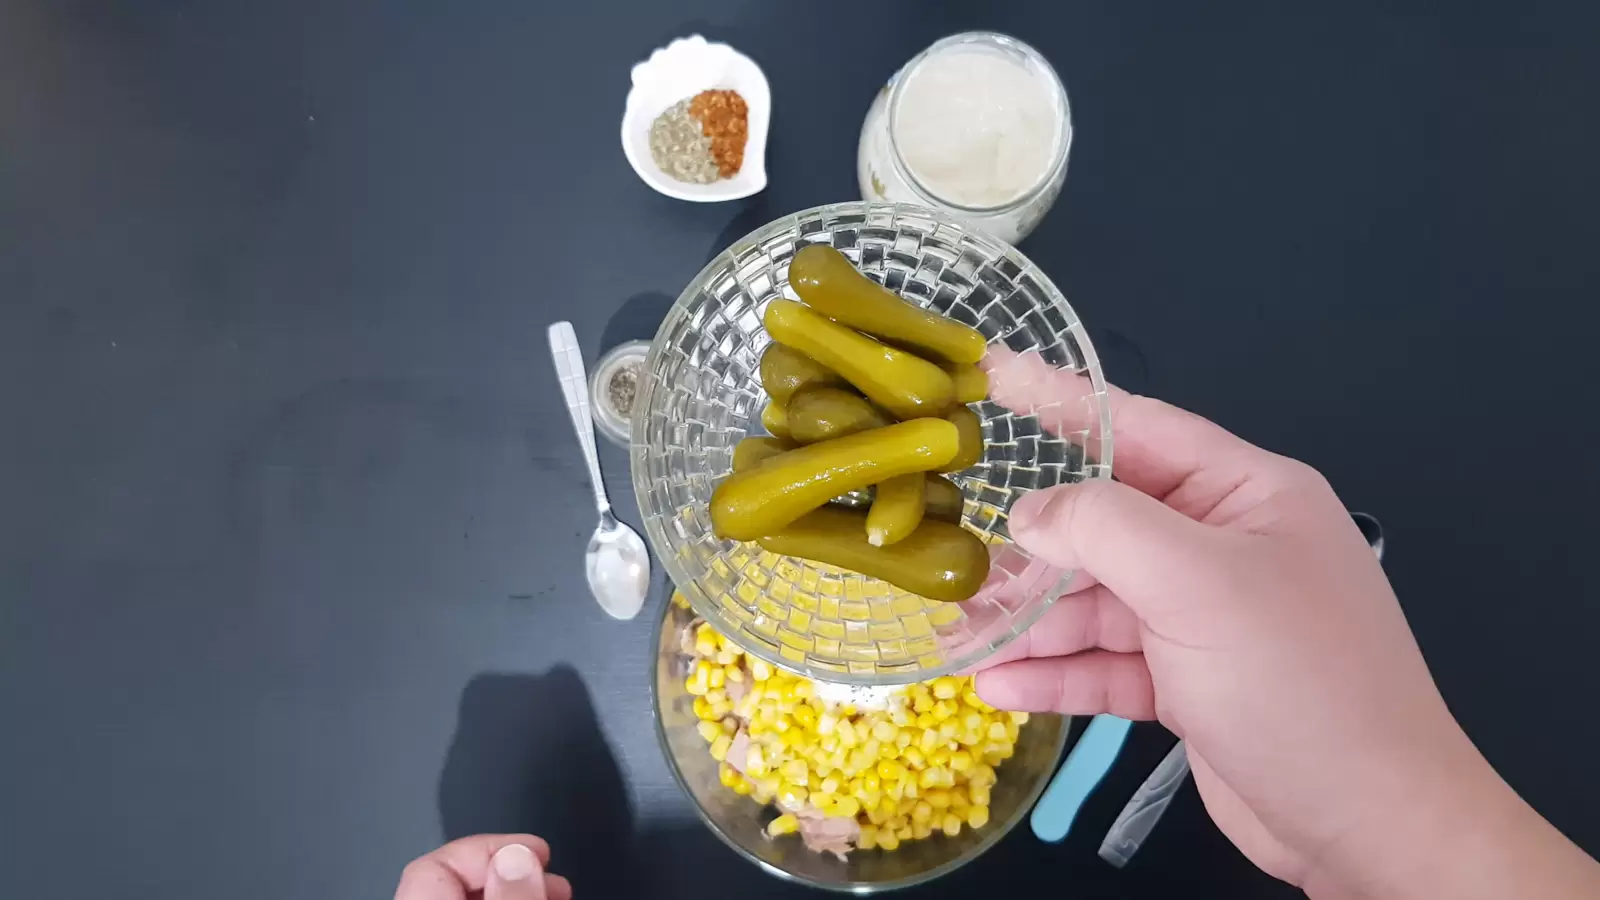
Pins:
<point x="557" y="887"/>
<point x="1033" y="520"/>
<point x="514" y="862"/>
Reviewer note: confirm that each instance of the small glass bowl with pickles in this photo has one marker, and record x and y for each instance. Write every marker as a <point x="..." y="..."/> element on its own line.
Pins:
<point x="822" y="462"/>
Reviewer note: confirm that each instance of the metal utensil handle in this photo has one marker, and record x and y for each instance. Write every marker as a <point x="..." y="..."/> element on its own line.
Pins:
<point x="1144" y="809"/>
<point x="568" y="358"/>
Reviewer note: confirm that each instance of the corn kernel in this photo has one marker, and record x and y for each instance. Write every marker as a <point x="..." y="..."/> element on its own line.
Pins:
<point x="908" y="787"/>
<point x="804" y="690"/>
<point x="726" y="657"/>
<point x="784" y="824"/>
<point x="905" y="738"/>
<point x="951" y="825"/>
<point x="760" y="669"/>
<point x="949" y="729"/>
<point x="708" y="730"/>
<point x="946" y="688"/>
<point x="996" y="731"/>
<point x="727" y="774"/>
<point x="961" y="761"/>
<point x="972" y="721"/>
<point x="888" y="751"/>
<point x="844" y="808"/>
<point x="901" y="717"/>
<point x="868" y="838"/>
<point x="937" y="798"/>
<point x="922" y="811"/>
<point x="792" y="795"/>
<point x="755" y="762"/>
<point x="983" y="774"/>
<point x="1021" y="718"/>
<point x="720" y="710"/>
<point x="828" y="722"/>
<point x="944" y="709"/>
<point x="830" y="785"/>
<point x="978" y="794"/>
<point x="804" y="716"/>
<point x="742" y="788"/>
<point x="913" y="757"/>
<point x="716" y="695"/>
<point x="927" y="720"/>
<point x="922" y="704"/>
<point x="930" y="777"/>
<point x="717" y="677"/>
<point x="940" y="757"/>
<point x="958" y="801"/>
<point x="978" y="816"/>
<point x="888" y="840"/>
<point x="921" y="830"/>
<point x="702" y="709"/>
<point x="719" y="747"/>
<point x="878" y="816"/>
<point x="695" y="686"/>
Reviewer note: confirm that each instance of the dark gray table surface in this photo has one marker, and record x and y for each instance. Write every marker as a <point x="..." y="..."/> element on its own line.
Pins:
<point x="290" y="513"/>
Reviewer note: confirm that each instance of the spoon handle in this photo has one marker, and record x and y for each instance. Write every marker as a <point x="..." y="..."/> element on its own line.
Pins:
<point x="568" y="357"/>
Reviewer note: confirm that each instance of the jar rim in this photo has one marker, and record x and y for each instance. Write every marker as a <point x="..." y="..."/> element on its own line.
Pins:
<point x="1030" y="57"/>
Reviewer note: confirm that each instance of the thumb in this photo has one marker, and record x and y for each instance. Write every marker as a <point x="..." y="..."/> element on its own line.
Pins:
<point x="514" y="874"/>
<point x="1147" y="553"/>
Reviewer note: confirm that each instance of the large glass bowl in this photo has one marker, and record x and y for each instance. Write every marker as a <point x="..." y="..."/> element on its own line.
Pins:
<point x="701" y="395"/>
<point x="740" y="821"/>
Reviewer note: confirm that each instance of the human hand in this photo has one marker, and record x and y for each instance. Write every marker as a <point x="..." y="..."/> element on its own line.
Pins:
<point x="1224" y="591"/>
<point x="487" y="866"/>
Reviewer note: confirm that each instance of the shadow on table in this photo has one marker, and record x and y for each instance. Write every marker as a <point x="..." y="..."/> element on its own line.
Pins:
<point x="528" y="756"/>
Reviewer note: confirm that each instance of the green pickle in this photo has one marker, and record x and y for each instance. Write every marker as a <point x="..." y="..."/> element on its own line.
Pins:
<point x="971" y="430"/>
<point x="751" y="451"/>
<point x="896" y="509"/>
<point x="944" y="499"/>
<point x="823" y="413"/>
<point x="903" y="384"/>
<point x="972" y="383"/>
<point x="785" y="370"/>
<point x="775" y="421"/>
<point x="825" y="279"/>
<point x="939" y="561"/>
<point x="764" y="498"/>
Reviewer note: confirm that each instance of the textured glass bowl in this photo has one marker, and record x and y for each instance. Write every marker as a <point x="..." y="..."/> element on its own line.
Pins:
<point x="701" y="395"/>
<point x="740" y="821"/>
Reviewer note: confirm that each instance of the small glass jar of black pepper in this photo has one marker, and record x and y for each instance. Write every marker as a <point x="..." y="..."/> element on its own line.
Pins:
<point x="614" y="389"/>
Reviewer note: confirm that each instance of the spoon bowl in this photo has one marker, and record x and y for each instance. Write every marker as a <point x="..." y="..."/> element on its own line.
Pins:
<point x="616" y="561"/>
<point x="618" y="567"/>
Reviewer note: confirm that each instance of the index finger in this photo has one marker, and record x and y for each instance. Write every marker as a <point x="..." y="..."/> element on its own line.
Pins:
<point x="1157" y="446"/>
<point x="461" y="866"/>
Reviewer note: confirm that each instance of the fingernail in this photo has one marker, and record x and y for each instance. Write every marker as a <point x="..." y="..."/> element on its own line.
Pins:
<point x="514" y="862"/>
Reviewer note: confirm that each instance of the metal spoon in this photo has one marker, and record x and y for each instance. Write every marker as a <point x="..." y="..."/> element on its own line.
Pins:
<point x="616" y="563"/>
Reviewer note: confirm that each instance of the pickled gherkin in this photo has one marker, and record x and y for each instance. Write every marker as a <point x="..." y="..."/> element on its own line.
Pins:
<point x="751" y="451"/>
<point x="903" y="384"/>
<point x="764" y="498"/>
<point x="939" y="561"/>
<point x="775" y="421"/>
<point x="825" y="279"/>
<point x="897" y="508"/>
<point x="972" y="383"/>
<point x="822" y="413"/>
<point x="971" y="429"/>
<point x="944" y="501"/>
<point x="785" y="370"/>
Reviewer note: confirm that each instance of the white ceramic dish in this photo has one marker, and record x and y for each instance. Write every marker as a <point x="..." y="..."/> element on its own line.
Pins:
<point x="676" y="72"/>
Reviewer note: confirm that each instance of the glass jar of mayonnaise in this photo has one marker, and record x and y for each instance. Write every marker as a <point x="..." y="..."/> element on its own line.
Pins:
<point x="978" y="126"/>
